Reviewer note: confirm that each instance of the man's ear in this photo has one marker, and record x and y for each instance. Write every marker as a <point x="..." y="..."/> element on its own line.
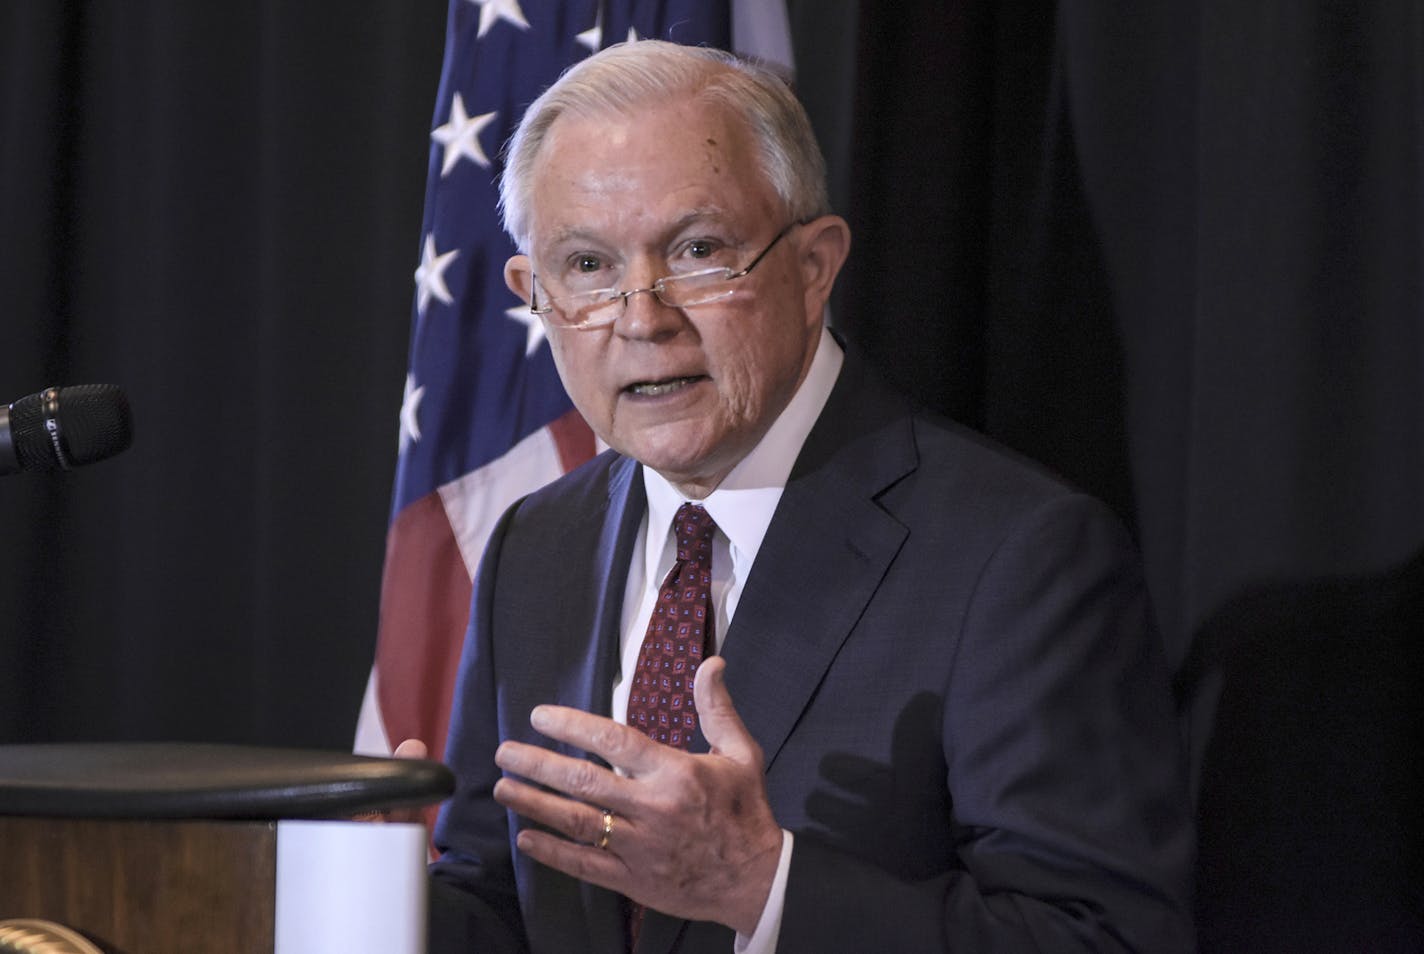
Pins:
<point x="825" y="243"/>
<point x="519" y="276"/>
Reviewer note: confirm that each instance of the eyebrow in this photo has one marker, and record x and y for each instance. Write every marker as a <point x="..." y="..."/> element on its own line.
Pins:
<point x="691" y="217"/>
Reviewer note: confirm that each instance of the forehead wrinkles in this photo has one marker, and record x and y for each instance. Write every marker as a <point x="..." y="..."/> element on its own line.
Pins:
<point x="572" y="234"/>
<point x="647" y="176"/>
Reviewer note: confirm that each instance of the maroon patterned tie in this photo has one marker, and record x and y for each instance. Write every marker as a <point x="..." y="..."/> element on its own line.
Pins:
<point x="681" y="633"/>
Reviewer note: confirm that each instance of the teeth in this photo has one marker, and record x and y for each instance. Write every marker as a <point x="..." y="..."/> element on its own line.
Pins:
<point x="656" y="388"/>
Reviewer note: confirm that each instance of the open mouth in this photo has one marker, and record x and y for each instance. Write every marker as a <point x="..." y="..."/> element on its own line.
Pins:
<point x="660" y="388"/>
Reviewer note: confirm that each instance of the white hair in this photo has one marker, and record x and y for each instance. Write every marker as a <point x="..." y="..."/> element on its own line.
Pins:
<point x="626" y="76"/>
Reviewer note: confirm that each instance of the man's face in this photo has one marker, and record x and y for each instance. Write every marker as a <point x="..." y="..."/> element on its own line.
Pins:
<point x="623" y="201"/>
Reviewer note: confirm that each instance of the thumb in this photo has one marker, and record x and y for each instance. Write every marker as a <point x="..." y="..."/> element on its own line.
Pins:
<point x="721" y="725"/>
<point x="410" y="749"/>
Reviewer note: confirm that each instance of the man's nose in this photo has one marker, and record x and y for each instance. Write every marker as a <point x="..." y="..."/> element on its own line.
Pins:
<point x="650" y="290"/>
<point x="643" y="313"/>
<point x="645" y="316"/>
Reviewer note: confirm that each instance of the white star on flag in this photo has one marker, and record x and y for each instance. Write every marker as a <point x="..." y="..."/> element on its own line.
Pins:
<point x="460" y="136"/>
<point x="593" y="36"/>
<point x="534" y="327"/>
<point x="633" y="35"/>
<point x="492" y="11"/>
<point x="430" y="276"/>
<point x="410" y="413"/>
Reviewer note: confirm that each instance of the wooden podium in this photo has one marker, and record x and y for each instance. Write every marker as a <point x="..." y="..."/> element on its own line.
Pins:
<point x="206" y="849"/>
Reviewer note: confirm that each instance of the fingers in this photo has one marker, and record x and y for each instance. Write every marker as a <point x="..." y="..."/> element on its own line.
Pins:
<point x="411" y="749"/>
<point x="721" y="725"/>
<point x="585" y="863"/>
<point x="575" y="778"/>
<point x="692" y="835"/>
<point x="588" y="850"/>
<point x="581" y="822"/>
<point x="619" y="745"/>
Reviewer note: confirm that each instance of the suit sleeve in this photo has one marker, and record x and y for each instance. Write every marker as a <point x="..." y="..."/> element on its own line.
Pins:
<point x="1064" y="770"/>
<point x="474" y="905"/>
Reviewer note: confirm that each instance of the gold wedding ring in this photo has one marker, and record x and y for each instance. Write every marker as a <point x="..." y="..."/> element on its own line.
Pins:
<point x="602" y="843"/>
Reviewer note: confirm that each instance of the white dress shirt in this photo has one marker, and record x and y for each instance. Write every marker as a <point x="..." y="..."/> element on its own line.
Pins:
<point x="742" y="506"/>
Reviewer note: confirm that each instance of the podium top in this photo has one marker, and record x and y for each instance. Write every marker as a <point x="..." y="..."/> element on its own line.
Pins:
<point x="173" y="780"/>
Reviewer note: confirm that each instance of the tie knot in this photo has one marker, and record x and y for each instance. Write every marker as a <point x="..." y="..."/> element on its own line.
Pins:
<point x="693" y="527"/>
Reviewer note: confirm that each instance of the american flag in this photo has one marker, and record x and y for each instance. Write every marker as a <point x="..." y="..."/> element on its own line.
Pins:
<point x="484" y="419"/>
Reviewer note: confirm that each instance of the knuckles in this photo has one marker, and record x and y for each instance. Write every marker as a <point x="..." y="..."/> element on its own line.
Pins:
<point x="611" y="740"/>
<point x="584" y="827"/>
<point x="584" y="780"/>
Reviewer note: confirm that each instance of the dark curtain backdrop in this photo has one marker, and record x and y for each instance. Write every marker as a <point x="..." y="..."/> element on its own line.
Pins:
<point x="216" y="207"/>
<point x="1174" y="251"/>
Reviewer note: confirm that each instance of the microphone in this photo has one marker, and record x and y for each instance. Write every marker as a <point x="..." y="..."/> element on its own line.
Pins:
<point x="62" y="428"/>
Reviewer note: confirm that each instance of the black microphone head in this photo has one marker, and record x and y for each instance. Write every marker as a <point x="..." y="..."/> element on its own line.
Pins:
<point x="60" y="428"/>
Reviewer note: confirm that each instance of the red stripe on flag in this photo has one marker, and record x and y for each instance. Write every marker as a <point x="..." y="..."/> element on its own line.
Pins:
<point x="425" y="607"/>
<point x="573" y="439"/>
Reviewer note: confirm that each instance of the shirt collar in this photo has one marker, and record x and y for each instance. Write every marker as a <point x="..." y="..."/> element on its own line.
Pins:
<point x="743" y="504"/>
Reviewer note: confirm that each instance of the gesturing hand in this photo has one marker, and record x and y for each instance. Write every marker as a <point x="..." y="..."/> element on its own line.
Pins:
<point x="692" y="835"/>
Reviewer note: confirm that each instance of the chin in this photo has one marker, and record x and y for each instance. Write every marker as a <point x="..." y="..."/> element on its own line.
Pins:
<point x="679" y="465"/>
<point x="677" y="448"/>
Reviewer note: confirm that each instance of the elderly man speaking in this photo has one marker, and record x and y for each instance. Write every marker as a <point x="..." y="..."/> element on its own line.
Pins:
<point x="795" y="666"/>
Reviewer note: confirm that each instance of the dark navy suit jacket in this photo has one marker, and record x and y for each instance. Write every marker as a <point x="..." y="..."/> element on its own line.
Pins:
<point x="947" y="657"/>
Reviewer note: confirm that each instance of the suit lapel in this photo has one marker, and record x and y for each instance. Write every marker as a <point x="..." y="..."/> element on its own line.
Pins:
<point x="781" y="642"/>
<point x="826" y="551"/>
<point x="600" y="531"/>
<point x="604" y="910"/>
<point x="581" y="604"/>
<point x="590" y="684"/>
